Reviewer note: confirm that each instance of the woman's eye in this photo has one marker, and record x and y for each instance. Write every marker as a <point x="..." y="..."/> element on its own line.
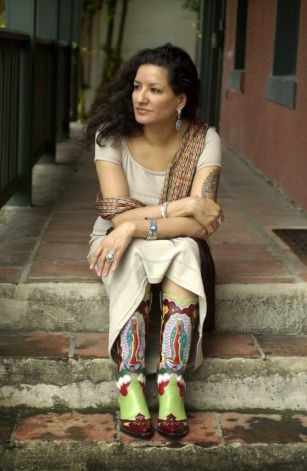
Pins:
<point x="136" y="86"/>
<point x="156" y="90"/>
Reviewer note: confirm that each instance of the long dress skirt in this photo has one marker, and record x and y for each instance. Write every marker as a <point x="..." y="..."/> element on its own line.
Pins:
<point x="150" y="261"/>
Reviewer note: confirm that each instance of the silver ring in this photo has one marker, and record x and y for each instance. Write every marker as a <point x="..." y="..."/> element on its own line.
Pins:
<point x="110" y="256"/>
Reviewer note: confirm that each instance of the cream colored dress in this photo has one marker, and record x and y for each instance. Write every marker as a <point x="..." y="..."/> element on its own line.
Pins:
<point x="151" y="260"/>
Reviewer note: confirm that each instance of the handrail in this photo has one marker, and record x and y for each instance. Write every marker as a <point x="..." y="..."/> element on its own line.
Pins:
<point x="16" y="35"/>
<point x="45" y="42"/>
<point x="12" y="34"/>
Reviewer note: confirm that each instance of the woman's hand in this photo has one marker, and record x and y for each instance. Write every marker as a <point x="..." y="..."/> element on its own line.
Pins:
<point x="116" y="243"/>
<point x="207" y="212"/>
<point x="195" y="230"/>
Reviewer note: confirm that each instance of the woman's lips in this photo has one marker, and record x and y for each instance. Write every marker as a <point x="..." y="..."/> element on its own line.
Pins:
<point x="142" y="110"/>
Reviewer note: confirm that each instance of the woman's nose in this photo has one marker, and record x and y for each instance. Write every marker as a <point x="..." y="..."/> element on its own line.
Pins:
<point x="142" y="96"/>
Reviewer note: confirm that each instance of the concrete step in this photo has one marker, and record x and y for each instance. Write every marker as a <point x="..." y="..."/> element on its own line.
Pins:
<point x="72" y="371"/>
<point x="279" y="383"/>
<point x="90" y="441"/>
<point x="276" y="308"/>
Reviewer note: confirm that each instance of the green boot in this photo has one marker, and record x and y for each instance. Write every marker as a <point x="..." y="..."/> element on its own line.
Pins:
<point x="135" y="418"/>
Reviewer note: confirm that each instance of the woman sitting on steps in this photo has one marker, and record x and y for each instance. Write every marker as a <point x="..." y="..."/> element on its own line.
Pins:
<point x="158" y="169"/>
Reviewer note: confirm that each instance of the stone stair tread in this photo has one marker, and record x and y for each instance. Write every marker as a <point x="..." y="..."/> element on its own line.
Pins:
<point x="72" y="370"/>
<point x="275" y="307"/>
<point x="90" y="440"/>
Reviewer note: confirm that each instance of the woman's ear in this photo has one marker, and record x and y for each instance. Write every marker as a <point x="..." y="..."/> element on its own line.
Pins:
<point x="182" y="101"/>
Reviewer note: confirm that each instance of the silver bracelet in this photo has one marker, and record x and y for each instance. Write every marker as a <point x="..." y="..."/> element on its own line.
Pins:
<point x="152" y="229"/>
<point x="163" y="209"/>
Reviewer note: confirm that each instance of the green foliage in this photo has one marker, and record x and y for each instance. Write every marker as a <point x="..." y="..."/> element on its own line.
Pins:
<point x="110" y="10"/>
<point x="114" y="36"/>
<point x="2" y="14"/>
<point x="193" y="5"/>
<point x="91" y="6"/>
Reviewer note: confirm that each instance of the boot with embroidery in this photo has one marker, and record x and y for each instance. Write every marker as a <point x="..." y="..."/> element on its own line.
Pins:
<point x="135" y="417"/>
<point x="178" y="320"/>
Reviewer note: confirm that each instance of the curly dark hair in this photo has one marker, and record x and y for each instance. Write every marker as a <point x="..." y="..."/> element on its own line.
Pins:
<point x="112" y="111"/>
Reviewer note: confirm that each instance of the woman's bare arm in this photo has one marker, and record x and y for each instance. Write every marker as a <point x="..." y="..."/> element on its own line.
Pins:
<point x="132" y="223"/>
<point x="113" y="183"/>
<point x="206" y="183"/>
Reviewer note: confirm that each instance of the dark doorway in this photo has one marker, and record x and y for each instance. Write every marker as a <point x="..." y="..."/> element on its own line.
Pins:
<point x="212" y="43"/>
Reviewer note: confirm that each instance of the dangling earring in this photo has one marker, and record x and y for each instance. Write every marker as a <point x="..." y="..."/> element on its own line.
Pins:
<point x="178" y="122"/>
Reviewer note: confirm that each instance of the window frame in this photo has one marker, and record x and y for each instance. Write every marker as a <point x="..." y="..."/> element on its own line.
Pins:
<point x="281" y="85"/>
<point x="236" y="77"/>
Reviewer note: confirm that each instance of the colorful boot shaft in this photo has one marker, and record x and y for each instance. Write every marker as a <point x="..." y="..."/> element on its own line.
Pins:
<point x="132" y="340"/>
<point x="178" y="320"/>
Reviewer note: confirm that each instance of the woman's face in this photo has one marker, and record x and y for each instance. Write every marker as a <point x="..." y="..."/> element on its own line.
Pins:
<point x="153" y="99"/>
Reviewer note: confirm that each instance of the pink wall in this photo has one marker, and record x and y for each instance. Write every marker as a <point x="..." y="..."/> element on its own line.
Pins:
<point x="272" y="137"/>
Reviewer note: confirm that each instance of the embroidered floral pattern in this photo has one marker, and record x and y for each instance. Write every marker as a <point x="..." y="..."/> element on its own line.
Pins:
<point x="131" y="348"/>
<point x="176" y="334"/>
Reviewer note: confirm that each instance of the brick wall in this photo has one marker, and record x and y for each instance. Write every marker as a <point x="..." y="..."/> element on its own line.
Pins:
<point x="272" y="137"/>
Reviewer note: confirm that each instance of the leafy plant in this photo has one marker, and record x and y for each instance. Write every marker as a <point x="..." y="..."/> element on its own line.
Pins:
<point x="91" y="6"/>
<point x="193" y="5"/>
<point x="2" y="14"/>
<point x="111" y="49"/>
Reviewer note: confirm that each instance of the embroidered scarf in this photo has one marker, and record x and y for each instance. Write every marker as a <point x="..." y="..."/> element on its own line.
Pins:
<point x="181" y="171"/>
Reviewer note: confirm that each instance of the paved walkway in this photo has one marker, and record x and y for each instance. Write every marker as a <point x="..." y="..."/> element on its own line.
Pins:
<point x="49" y="241"/>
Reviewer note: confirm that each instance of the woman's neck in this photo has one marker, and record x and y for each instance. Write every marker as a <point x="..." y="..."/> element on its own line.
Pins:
<point x="157" y="134"/>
